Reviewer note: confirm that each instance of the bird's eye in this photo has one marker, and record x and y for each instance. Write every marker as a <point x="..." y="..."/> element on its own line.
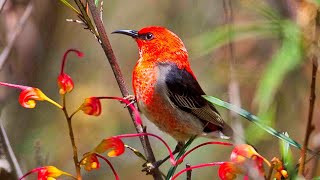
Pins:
<point x="149" y="36"/>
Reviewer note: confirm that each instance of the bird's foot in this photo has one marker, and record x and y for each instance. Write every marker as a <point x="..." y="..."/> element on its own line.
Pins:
<point x="149" y="167"/>
<point x="131" y="98"/>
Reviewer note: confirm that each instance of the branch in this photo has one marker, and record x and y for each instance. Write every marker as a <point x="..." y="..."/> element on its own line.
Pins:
<point x="234" y="92"/>
<point x="2" y="3"/>
<point x="310" y="126"/>
<point x="15" y="34"/>
<point x="189" y="172"/>
<point x="106" y="46"/>
<point x="9" y="154"/>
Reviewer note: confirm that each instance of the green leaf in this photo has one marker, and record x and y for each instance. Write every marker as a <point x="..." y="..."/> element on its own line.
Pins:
<point x="96" y="2"/>
<point x="267" y="118"/>
<point x="207" y="42"/>
<point x="256" y="120"/>
<point x="286" y="59"/>
<point x="287" y="159"/>
<point x="66" y="3"/>
<point x="136" y="152"/>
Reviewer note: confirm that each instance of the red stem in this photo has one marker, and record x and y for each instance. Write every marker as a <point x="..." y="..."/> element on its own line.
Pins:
<point x="196" y="167"/>
<point x="131" y="106"/>
<point x="110" y="165"/>
<point x="153" y="135"/>
<point x="180" y="160"/>
<point x="79" y="54"/>
<point x="14" y="85"/>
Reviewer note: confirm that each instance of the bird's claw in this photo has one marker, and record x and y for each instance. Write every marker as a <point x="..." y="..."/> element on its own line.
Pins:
<point x="131" y="99"/>
<point x="149" y="167"/>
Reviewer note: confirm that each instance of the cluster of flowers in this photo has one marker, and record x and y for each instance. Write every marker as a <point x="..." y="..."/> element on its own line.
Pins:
<point x="244" y="159"/>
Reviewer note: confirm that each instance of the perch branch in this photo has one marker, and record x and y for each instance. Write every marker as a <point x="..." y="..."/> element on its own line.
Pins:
<point x="310" y="126"/>
<point x="106" y="46"/>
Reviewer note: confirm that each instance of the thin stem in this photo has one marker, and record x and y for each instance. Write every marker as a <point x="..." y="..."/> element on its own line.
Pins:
<point x="196" y="167"/>
<point x="189" y="172"/>
<point x="233" y="88"/>
<point x="172" y="160"/>
<point x="106" y="46"/>
<point x="310" y="126"/>
<point x="110" y="165"/>
<point x="73" y="143"/>
<point x="270" y="172"/>
<point x="200" y="145"/>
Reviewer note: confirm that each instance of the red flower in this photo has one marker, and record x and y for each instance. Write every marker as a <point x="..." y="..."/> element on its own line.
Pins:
<point x="29" y="95"/>
<point x="90" y="162"/>
<point x="114" y="144"/>
<point x="229" y="171"/>
<point x="91" y="106"/>
<point x="64" y="81"/>
<point x="244" y="158"/>
<point x="47" y="173"/>
<point x="279" y="168"/>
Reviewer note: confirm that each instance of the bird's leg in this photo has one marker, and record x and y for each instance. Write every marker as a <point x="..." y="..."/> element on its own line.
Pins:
<point x="148" y="167"/>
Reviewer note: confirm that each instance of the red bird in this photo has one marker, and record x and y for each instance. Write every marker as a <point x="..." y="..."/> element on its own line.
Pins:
<point x="166" y="89"/>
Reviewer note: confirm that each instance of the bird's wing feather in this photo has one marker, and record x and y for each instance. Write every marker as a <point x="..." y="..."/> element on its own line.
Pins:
<point x="185" y="93"/>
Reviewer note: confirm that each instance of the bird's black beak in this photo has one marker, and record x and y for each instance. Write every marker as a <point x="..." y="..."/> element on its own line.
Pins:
<point x="131" y="33"/>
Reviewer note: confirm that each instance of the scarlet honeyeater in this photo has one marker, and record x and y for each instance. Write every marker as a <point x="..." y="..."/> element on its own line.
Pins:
<point x="166" y="89"/>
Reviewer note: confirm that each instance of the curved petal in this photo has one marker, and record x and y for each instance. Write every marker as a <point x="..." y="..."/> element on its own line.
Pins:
<point x="90" y="162"/>
<point x="114" y="144"/>
<point x="29" y="95"/>
<point x="91" y="106"/>
<point x="229" y="171"/>
<point x="65" y="83"/>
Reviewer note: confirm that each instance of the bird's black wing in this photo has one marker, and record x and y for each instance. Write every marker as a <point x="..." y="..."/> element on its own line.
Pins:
<point x="185" y="93"/>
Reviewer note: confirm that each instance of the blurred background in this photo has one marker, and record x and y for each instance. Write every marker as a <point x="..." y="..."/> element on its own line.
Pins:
<point x="39" y="136"/>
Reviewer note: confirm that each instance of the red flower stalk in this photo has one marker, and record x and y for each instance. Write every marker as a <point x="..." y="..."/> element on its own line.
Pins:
<point x="29" y="95"/>
<point x="47" y="173"/>
<point x="92" y="106"/>
<point x="64" y="81"/>
<point x="172" y="160"/>
<point x="196" y="167"/>
<point x="180" y="160"/>
<point x="110" y="165"/>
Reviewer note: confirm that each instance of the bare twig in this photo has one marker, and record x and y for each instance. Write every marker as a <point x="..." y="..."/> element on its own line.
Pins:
<point x="15" y="34"/>
<point x="310" y="126"/>
<point x="8" y="150"/>
<point x="2" y="3"/>
<point x="106" y="46"/>
<point x="234" y="92"/>
<point x="189" y="173"/>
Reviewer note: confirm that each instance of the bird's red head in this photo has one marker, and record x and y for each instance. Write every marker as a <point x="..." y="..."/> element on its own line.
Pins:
<point x="157" y="43"/>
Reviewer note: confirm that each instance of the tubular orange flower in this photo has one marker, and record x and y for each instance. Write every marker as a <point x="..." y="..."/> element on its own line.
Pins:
<point x="91" y="106"/>
<point x="64" y="81"/>
<point x="47" y="173"/>
<point x="243" y="158"/>
<point x="279" y="168"/>
<point x="90" y="162"/>
<point x="243" y="153"/>
<point x="114" y="143"/>
<point x="229" y="171"/>
<point x="29" y="95"/>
